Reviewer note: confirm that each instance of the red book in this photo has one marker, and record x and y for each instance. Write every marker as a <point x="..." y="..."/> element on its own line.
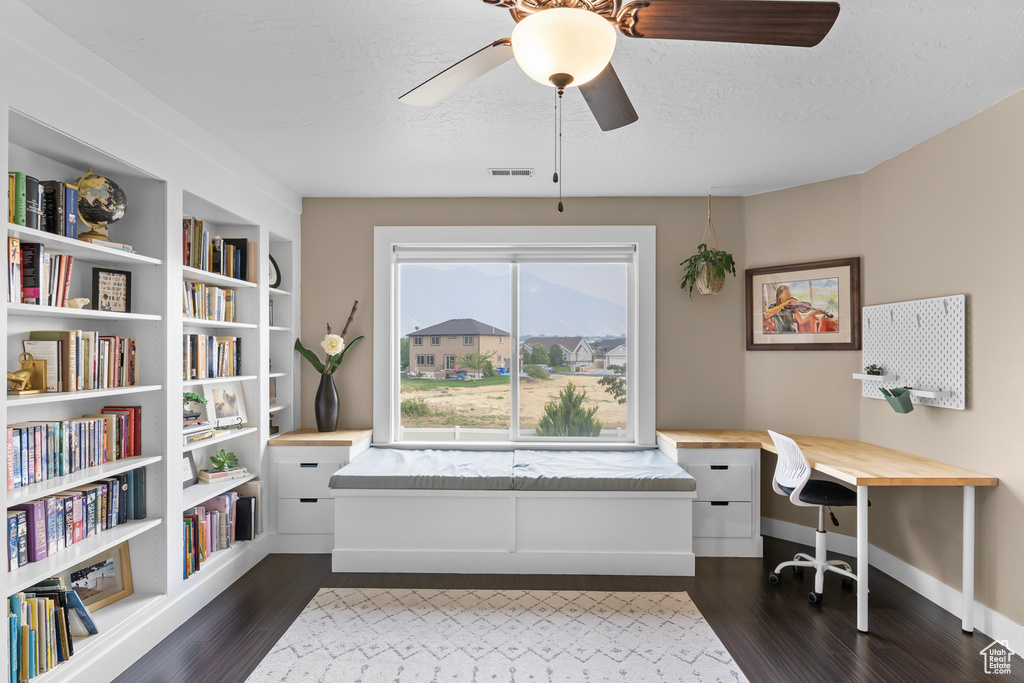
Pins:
<point x="36" y="513"/>
<point x="134" y="426"/>
<point x="69" y="262"/>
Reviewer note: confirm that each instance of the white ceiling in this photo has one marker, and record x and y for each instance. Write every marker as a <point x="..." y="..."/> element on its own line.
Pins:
<point x="309" y="91"/>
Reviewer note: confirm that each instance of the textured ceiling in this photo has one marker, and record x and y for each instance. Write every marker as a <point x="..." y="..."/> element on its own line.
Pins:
<point x="309" y="90"/>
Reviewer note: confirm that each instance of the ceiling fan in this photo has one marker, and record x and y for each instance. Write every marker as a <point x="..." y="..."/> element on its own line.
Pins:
<point x="570" y="42"/>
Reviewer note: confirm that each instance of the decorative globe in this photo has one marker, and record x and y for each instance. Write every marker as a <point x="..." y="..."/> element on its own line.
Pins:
<point x="101" y="201"/>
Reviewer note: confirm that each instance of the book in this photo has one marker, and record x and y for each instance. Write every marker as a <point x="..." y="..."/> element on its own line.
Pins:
<point x="245" y="520"/>
<point x="79" y="609"/>
<point x="35" y="512"/>
<point x="49" y="351"/>
<point x="208" y="476"/>
<point x="33" y="210"/>
<point x="14" y="270"/>
<point x="237" y="266"/>
<point x="16" y="197"/>
<point x="70" y="211"/>
<point x="12" y="539"/>
<point x="31" y="260"/>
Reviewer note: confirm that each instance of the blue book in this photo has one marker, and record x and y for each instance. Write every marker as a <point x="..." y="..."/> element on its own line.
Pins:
<point x="51" y="525"/>
<point x="27" y="465"/>
<point x="15" y="631"/>
<point x="70" y="212"/>
<point x="31" y="654"/>
<point x="12" y="540"/>
<point x="22" y="538"/>
<point x="16" y="457"/>
<point x="76" y="605"/>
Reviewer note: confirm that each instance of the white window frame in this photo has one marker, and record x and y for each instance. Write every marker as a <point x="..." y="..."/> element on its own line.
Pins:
<point x="417" y="340"/>
<point x="438" y="338"/>
<point x="467" y="340"/>
<point x="641" y="324"/>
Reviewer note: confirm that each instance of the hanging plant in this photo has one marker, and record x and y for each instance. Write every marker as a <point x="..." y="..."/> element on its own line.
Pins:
<point x="706" y="270"/>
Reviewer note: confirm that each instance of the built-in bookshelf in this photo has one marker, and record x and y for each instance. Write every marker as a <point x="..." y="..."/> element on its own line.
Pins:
<point x="281" y="311"/>
<point x="153" y="226"/>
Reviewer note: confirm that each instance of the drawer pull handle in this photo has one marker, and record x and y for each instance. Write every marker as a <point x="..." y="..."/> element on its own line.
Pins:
<point x="719" y="467"/>
<point x="307" y="500"/>
<point x="719" y="502"/>
<point x="308" y="464"/>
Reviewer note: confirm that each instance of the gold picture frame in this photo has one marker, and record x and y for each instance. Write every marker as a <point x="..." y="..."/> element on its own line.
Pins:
<point x="103" y="579"/>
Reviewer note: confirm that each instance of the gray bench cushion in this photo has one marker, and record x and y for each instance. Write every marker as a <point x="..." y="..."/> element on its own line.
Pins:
<point x="599" y="471"/>
<point x="385" y="468"/>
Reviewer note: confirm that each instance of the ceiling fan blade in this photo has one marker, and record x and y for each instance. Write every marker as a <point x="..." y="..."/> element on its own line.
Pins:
<point x="608" y="100"/>
<point x="762" y="22"/>
<point x="459" y="74"/>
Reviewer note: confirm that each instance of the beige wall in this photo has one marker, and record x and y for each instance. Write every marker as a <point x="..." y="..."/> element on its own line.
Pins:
<point x="942" y="218"/>
<point x="700" y="343"/>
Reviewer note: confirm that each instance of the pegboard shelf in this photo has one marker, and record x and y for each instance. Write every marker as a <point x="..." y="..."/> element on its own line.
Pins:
<point x="875" y="378"/>
<point x="930" y="393"/>
<point x="921" y="343"/>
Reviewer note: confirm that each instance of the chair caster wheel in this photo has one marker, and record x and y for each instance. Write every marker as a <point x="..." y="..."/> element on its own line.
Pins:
<point x="798" y="572"/>
<point x="814" y="597"/>
<point x="773" y="578"/>
<point x="848" y="582"/>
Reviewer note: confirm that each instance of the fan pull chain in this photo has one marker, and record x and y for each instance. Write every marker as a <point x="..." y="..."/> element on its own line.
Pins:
<point x="558" y="149"/>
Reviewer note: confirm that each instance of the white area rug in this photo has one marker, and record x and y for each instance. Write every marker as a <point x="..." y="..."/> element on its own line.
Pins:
<point x="428" y="636"/>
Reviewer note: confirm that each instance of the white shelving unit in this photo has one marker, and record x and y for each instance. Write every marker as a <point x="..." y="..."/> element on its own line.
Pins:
<point x="157" y="200"/>
<point x="283" y="413"/>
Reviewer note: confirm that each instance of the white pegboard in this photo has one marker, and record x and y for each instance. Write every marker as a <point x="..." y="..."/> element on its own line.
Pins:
<point x="923" y="343"/>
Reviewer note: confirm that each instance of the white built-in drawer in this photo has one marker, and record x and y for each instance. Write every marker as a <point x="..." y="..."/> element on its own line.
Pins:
<point x="732" y="481"/>
<point x="305" y="515"/>
<point x="305" y="480"/>
<point x="722" y="520"/>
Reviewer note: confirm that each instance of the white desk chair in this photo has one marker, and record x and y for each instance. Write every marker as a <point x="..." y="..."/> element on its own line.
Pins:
<point x="793" y="478"/>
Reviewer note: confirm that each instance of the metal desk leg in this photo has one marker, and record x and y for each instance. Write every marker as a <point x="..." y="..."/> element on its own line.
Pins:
<point x="862" y="559"/>
<point x="968" y="587"/>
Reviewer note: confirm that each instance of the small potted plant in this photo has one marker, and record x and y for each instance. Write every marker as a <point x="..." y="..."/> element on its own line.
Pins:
<point x="873" y="369"/>
<point x="223" y="466"/>
<point x="706" y="270"/>
<point x="191" y="416"/>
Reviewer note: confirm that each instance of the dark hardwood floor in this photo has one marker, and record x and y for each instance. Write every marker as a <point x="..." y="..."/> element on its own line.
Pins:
<point x="773" y="632"/>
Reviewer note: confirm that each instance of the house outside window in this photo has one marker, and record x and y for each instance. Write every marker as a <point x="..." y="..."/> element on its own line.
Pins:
<point x="495" y="289"/>
<point x="417" y="341"/>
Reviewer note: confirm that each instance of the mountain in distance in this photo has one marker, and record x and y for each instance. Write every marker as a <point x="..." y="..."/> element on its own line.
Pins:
<point x="432" y="296"/>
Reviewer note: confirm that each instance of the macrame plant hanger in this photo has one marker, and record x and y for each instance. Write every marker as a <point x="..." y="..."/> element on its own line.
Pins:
<point x="707" y="281"/>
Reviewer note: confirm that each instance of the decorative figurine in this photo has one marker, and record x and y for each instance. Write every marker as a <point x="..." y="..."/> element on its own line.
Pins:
<point x="80" y="302"/>
<point x="32" y="372"/>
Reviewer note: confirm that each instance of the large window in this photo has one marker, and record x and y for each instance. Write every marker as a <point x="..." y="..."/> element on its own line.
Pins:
<point x="545" y="336"/>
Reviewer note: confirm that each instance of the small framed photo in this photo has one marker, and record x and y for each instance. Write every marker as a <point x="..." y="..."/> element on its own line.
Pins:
<point x="102" y="579"/>
<point x="226" y="404"/>
<point x="804" y="306"/>
<point x="189" y="473"/>
<point x="112" y="290"/>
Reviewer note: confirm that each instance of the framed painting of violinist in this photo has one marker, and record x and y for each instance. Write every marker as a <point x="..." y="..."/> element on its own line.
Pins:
<point x="804" y="306"/>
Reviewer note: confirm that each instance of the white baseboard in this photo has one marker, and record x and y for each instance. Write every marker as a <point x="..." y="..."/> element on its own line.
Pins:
<point x="308" y="544"/>
<point x="993" y="624"/>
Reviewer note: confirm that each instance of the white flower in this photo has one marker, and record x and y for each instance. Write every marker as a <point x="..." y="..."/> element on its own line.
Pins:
<point x="333" y="344"/>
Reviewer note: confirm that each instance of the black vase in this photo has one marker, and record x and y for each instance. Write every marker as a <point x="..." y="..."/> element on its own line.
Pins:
<point x="326" y="405"/>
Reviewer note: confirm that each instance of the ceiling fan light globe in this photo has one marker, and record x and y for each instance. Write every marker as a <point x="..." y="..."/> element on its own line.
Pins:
<point x="563" y="40"/>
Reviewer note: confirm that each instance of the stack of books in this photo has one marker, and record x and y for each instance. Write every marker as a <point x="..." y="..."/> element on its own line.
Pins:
<point x="206" y="302"/>
<point x="43" y="622"/>
<point x="210" y="476"/>
<point x="206" y="356"/>
<point x="43" y="450"/>
<point x="50" y="205"/>
<point x="199" y="431"/>
<point x="78" y="360"/>
<point x="41" y="528"/>
<point x="219" y="522"/>
<point x="234" y="257"/>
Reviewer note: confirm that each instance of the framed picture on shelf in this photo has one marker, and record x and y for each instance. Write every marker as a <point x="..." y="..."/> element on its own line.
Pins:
<point x="226" y="405"/>
<point x="273" y="273"/>
<point x="102" y="579"/>
<point x="189" y="473"/>
<point x="112" y="290"/>
<point x="804" y="306"/>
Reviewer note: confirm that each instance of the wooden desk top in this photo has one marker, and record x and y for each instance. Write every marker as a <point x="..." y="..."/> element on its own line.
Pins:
<point x="854" y="462"/>
<point x="310" y="437"/>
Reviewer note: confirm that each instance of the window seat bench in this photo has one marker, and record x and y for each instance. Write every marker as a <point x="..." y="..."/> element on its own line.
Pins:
<point x="513" y="512"/>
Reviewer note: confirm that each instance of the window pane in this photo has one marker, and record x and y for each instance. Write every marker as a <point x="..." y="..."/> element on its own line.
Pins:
<point x="455" y="384"/>
<point x="572" y="342"/>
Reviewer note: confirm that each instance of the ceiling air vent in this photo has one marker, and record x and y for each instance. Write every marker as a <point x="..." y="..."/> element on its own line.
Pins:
<point x="510" y="172"/>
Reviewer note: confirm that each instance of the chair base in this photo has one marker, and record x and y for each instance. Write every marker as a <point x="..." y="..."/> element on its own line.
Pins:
<point x="820" y="565"/>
